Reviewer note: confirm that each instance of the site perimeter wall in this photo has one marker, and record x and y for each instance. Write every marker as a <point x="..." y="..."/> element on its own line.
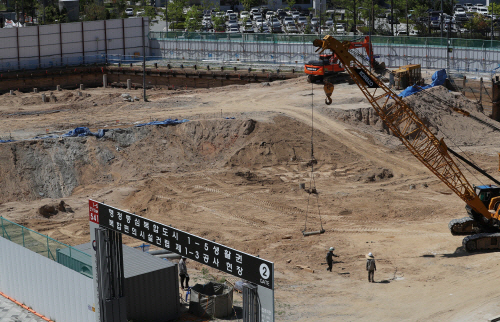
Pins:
<point x="47" y="287"/>
<point x="76" y="43"/>
<point x="458" y="54"/>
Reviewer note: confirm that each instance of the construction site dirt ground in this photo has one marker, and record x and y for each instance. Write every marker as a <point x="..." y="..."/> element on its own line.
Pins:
<point x="233" y="172"/>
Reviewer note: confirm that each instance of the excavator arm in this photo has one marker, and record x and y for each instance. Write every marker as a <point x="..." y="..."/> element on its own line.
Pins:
<point x="407" y="126"/>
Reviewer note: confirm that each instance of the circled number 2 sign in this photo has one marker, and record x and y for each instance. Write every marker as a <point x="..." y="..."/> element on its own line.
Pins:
<point x="264" y="271"/>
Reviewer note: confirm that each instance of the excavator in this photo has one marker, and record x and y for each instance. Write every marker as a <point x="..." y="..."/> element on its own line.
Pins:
<point x="328" y="65"/>
<point x="482" y="202"/>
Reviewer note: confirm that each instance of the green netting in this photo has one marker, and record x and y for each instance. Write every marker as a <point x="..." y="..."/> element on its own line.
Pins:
<point x="307" y="39"/>
<point x="46" y="246"/>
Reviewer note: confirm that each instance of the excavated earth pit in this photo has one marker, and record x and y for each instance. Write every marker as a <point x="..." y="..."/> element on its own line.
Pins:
<point x="233" y="173"/>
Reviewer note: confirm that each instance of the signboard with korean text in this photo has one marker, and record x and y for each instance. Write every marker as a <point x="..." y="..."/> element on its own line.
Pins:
<point x="223" y="258"/>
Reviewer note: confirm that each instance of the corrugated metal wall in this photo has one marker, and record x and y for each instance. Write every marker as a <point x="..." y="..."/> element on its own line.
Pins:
<point x="296" y="50"/>
<point x="49" y="288"/>
<point x="70" y="43"/>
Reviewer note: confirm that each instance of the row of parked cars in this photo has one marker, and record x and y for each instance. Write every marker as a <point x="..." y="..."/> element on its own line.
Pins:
<point x="279" y="21"/>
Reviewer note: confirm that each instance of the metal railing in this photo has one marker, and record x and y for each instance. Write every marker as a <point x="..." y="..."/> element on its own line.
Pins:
<point x="46" y="246"/>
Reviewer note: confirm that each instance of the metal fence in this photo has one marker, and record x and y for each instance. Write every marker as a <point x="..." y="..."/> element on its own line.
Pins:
<point x="46" y="246"/>
<point x="454" y="54"/>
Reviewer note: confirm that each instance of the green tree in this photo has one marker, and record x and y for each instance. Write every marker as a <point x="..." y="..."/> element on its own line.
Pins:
<point x="175" y="11"/>
<point x="290" y="4"/>
<point x="249" y="4"/>
<point x="478" y="23"/>
<point x="94" y="12"/>
<point x="308" y="27"/>
<point x="193" y="21"/>
<point x="219" y="23"/>
<point x="150" y="12"/>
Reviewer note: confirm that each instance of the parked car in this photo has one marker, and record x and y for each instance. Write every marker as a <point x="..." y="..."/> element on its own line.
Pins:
<point x="462" y="17"/>
<point x="314" y="22"/>
<point x="259" y="22"/>
<point x="129" y="11"/>
<point x="287" y="19"/>
<point x="302" y="20"/>
<point x="329" y="23"/>
<point x="257" y="16"/>
<point x="233" y="16"/>
<point x="275" y="26"/>
<point x="483" y="11"/>
<point x="254" y="11"/>
<point x="269" y="15"/>
<point x="232" y="24"/>
<point x="244" y="14"/>
<point x="233" y="30"/>
<point x="340" y="29"/>
<point x="292" y="29"/>
<point x="295" y="15"/>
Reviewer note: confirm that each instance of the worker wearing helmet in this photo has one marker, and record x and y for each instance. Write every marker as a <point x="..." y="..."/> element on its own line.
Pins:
<point x="329" y="258"/>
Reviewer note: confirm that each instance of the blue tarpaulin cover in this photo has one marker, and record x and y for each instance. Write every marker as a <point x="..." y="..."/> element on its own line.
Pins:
<point x="84" y="131"/>
<point x="438" y="78"/>
<point x="166" y="122"/>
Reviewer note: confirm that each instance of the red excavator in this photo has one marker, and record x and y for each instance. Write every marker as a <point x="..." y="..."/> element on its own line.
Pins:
<point x="329" y="65"/>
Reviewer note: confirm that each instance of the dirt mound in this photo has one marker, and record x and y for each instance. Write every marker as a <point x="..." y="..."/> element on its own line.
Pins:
<point x="433" y="108"/>
<point x="55" y="167"/>
<point x="50" y="210"/>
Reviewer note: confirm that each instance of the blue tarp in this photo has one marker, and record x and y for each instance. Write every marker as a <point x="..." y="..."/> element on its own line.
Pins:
<point x="84" y="131"/>
<point x="438" y="78"/>
<point x="166" y="122"/>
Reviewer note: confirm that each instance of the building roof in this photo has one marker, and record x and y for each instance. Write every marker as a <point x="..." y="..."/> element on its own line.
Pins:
<point x="135" y="262"/>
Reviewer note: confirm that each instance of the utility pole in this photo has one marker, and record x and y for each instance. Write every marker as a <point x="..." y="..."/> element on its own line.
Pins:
<point x="442" y="16"/>
<point x="407" y="28"/>
<point x="143" y="61"/>
<point x="492" y="25"/>
<point x="392" y="17"/>
<point x="355" y="17"/>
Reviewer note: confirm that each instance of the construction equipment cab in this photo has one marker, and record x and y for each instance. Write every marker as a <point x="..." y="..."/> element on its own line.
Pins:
<point x="329" y="65"/>
<point x="487" y="194"/>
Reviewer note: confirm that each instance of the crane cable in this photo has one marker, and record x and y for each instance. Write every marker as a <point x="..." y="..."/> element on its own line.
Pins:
<point x="312" y="162"/>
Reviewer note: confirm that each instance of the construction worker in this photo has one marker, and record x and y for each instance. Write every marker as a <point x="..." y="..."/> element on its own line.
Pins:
<point x="183" y="272"/>
<point x="370" y="267"/>
<point x="329" y="258"/>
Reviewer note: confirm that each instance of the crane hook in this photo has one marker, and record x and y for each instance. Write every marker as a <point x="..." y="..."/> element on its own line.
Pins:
<point x="328" y="88"/>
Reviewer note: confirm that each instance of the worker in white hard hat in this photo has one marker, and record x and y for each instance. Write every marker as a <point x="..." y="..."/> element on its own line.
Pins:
<point x="329" y="258"/>
<point x="370" y="267"/>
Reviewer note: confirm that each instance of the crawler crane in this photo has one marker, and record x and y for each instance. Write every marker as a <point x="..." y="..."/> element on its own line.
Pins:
<point x="482" y="202"/>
